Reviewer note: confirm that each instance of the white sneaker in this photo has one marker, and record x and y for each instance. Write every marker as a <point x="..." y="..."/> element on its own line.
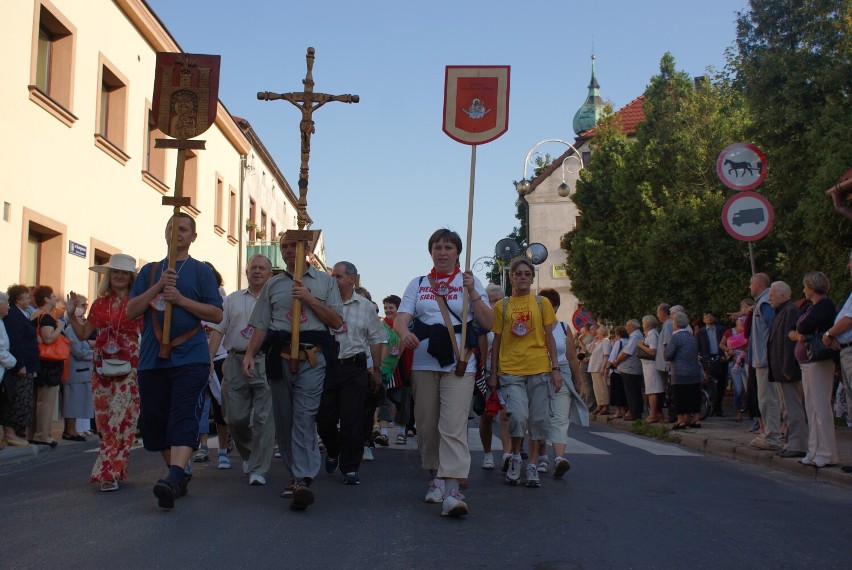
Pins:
<point x="561" y="467"/>
<point x="368" y="454"/>
<point x="435" y="492"/>
<point x="453" y="505"/>
<point x="488" y="461"/>
<point x="532" y="477"/>
<point x="543" y="464"/>
<point x="513" y="474"/>
<point x="246" y="467"/>
<point x="257" y="479"/>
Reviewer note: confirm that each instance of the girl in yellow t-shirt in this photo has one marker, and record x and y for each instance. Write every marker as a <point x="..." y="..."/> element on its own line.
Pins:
<point x="524" y="357"/>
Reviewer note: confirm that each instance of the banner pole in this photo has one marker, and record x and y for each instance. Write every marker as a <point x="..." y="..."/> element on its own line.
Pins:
<point x="467" y="247"/>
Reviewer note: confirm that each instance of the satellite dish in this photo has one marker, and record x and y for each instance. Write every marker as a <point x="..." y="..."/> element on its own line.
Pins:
<point x="537" y="253"/>
<point x="507" y="249"/>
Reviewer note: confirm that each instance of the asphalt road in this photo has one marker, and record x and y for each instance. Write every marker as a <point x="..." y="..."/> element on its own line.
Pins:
<point x="628" y="502"/>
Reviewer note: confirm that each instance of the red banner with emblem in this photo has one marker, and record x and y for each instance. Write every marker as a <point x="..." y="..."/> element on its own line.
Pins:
<point x="476" y="103"/>
<point x="186" y="93"/>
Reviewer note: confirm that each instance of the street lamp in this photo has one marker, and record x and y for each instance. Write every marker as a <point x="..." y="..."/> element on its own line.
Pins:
<point x="523" y="187"/>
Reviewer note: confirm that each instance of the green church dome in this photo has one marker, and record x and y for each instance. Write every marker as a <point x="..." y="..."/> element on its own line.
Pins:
<point x="587" y="116"/>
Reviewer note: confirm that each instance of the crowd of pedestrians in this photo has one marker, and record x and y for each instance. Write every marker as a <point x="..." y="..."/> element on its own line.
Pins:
<point x="352" y="373"/>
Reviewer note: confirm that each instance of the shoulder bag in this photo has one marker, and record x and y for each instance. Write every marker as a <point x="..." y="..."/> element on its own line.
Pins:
<point x="461" y="362"/>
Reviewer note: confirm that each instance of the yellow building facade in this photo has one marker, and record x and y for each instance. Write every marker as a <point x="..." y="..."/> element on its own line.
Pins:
<point x="82" y="178"/>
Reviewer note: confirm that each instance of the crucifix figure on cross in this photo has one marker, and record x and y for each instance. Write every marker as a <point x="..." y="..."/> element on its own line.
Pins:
<point x="307" y="102"/>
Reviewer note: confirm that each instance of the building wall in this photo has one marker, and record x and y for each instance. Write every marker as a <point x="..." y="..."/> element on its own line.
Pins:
<point x="551" y="217"/>
<point x="59" y="178"/>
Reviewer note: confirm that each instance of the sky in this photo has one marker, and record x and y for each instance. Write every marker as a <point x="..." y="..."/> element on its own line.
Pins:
<point x="383" y="175"/>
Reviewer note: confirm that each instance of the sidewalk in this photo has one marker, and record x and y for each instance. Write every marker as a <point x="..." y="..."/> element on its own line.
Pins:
<point x="10" y="456"/>
<point x="727" y="438"/>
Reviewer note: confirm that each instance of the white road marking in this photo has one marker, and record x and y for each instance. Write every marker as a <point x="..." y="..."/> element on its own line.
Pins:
<point x="653" y="447"/>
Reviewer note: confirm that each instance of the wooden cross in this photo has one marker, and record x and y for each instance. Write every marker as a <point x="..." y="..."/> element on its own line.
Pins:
<point x="307" y="102"/>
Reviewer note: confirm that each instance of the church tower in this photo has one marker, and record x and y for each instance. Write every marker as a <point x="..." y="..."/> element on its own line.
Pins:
<point x="590" y="112"/>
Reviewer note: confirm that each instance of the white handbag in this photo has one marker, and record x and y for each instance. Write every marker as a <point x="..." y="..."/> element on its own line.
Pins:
<point x="113" y="368"/>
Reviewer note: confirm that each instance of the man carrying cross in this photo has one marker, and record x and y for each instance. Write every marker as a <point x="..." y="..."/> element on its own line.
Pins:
<point x="172" y="377"/>
<point x="296" y="395"/>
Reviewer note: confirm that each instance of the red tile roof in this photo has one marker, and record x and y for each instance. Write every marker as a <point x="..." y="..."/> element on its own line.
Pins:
<point x="629" y="117"/>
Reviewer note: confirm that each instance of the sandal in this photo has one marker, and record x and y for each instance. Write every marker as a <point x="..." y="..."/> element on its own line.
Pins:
<point x="679" y="426"/>
<point x="75" y="437"/>
<point x="107" y="486"/>
<point x="401" y="439"/>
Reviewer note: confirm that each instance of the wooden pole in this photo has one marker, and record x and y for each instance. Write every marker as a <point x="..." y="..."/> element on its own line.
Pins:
<point x="298" y="271"/>
<point x="177" y="201"/>
<point x="467" y="248"/>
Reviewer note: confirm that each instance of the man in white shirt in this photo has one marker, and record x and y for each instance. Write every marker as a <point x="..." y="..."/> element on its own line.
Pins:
<point x="253" y="434"/>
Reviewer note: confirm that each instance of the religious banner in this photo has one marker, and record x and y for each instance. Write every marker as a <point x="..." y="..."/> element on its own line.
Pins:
<point x="476" y="103"/>
<point x="186" y="93"/>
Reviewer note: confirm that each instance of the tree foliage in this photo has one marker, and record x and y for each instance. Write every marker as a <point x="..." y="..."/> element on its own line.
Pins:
<point x="650" y="227"/>
<point x="793" y="64"/>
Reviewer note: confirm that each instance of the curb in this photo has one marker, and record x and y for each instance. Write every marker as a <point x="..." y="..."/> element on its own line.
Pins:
<point x="13" y="455"/>
<point x="745" y="453"/>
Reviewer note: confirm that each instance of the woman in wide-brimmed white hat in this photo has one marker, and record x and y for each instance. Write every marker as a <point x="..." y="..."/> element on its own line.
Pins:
<point x="116" y="392"/>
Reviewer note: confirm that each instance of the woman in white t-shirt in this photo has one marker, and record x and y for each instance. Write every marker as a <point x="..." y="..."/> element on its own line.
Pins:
<point x="441" y="398"/>
<point x="568" y="406"/>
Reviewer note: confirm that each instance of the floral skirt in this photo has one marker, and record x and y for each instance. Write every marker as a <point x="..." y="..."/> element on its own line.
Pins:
<point x="116" y="416"/>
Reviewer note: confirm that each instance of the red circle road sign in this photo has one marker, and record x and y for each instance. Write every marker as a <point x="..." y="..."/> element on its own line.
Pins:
<point x="748" y="216"/>
<point x="741" y="166"/>
<point x="582" y="317"/>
